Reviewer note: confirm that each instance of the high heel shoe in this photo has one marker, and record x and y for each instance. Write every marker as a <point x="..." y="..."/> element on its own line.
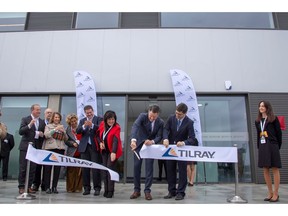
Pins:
<point x="268" y="198"/>
<point x="276" y="200"/>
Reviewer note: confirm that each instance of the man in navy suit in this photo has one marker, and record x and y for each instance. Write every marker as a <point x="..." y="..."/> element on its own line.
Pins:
<point x="32" y="130"/>
<point x="146" y="130"/>
<point x="87" y="127"/>
<point x="178" y="130"/>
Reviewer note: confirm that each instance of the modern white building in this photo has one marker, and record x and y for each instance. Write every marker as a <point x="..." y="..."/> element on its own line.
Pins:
<point x="130" y="55"/>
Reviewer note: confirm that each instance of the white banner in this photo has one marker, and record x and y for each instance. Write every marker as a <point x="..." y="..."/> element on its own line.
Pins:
<point x="44" y="157"/>
<point x="85" y="92"/>
<point x="185" y="93"/>
<point x="190" y="153"/>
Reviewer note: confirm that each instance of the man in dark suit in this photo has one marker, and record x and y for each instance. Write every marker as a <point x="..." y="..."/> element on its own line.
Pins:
<point x="39" y="175"/>
<point x="146" y="130"/>
<point x="32" y="130"/>
<point x="7" y="144"/>
<point x="88" y="149"/>
<point x="178" y="130"/>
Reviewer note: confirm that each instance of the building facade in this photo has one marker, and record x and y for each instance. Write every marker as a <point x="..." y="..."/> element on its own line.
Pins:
<point x="130" y="55"/>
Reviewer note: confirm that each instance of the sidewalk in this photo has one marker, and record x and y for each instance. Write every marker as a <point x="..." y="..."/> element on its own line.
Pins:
<point x="198" y="194"/>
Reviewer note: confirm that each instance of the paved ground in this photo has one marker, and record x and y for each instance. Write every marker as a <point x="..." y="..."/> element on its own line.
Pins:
<point x="198" y="194"/>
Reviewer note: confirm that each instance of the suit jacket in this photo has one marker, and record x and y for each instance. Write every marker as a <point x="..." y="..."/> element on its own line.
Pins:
<point x="141" y="130"/>
<point x="88" y="133"/>
<point x="70" y="151"/>
<point x="7" y="145"/>
<point x="28" y="134"/>
<point x="185" y="133"/>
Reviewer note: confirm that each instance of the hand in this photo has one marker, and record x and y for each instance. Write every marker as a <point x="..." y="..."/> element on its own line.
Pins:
<point x="32" y="122"/>
<point x="75" y="144"/>
<point x="133" y="145"/>
<point x="113" y="156"/>
<point x="166" y="143"/>
<point x="148" y="142"/>
<point x="41" y="134"/>
<point x="88" y="124"/>
<point x="102" y="146"/>
<point x="180" y="143"/>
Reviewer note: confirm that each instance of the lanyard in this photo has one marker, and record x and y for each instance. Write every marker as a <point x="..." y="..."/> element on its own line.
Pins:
<point x="262" y="124"/>
<point x="105" y="133"/>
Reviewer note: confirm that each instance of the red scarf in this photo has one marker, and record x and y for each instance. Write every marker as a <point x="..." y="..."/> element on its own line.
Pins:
<point x="114" y="131"/>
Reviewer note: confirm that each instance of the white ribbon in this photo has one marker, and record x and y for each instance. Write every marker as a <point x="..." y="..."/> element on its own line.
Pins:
<point x="190" y="153"/>
<point x="45" y="157"/>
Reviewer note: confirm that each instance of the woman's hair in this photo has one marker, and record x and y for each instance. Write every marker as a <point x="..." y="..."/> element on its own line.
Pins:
<point x="71" y="116"/>
<point x="109" y="114"/>
<point x="269" y="111"/>
<point x="53" y="115"/>
<point x="3" y="130"/>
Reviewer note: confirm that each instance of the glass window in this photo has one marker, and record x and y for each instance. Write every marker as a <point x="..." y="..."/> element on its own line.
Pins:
<point x="225" y="129"/>
<point x="12" y="21"/>
<point x="217" y="20"/>
<point x="97" y="20"/>
<point x="13" y="110"/>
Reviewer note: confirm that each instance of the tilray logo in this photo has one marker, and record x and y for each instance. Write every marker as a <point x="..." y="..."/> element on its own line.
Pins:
<point x="87" y="78"/>
<point x="90" y="99"/>
<point x="185" y="78"/>
<point x="81" y="105"/>
<point x="189" y="88"/>
<point x="196" y="154"/>
<point x="175" y="73"/>
<point x="170" y="153"/>
<point x="80" y="95"/>
<point x="89" y="89"/>
<point x="192" y="109"/>
<point x="79" y="85"/>
<point x="51" y="158"/>
<point x="78" y="74"/>
<point x="178" y="84"/>
<point x="180" y="94"/>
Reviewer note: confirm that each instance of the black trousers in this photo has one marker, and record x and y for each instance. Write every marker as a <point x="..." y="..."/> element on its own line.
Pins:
<point x="5" y="163"/>
<point x="94" y="156"/>
<point x="56" y="171"/>
<point x="23" y="169"/>
<point x="108" y="183"/>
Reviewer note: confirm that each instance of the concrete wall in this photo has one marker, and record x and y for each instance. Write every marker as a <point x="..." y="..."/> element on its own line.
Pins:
<point x="139" y="60"/>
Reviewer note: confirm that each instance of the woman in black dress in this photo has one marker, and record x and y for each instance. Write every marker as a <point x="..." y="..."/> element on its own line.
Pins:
<point x="269" y="140"/>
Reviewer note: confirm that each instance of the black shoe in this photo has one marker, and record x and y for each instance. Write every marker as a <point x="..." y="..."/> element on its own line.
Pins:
<point x="179" y="197"/>
<point x="105" y="194"/>
<point x="97" y="193"/>
<point x="43" y="188"/>
<point x="54" y="190"/>
<point x="276" y="200"/>
<point x="190" y="185"/>
<point x="268" y="199"/>
<point x="110" y="194"/>
<point x="48" y="191"/>
<point x="169" y="196"/>
<point x="86" y="192"/>
<point x="4" y="179"/>
<point x="35" y="188"/>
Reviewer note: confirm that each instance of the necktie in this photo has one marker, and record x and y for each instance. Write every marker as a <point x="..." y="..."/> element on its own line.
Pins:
<point x="178" y="124"/>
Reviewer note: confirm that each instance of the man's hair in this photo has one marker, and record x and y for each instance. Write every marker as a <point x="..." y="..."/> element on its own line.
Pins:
<point x="182" y="107"/>
<point x="87" y="107"/>
<point x="33" y="106"/>
<point x="154" y="108"/>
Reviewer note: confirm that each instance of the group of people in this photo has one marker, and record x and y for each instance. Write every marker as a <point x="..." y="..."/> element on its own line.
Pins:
<point x="150" y="129"/>
<point x="98" y="140"/>
<point x="94" y="139"/>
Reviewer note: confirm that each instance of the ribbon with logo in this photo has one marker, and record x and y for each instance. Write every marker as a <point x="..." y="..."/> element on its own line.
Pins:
<point x="190" y="153"/>
<point x="45" y="157"/>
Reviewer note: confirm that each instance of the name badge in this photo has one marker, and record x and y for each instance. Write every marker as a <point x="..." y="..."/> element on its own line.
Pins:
<point x="263" y="141"/>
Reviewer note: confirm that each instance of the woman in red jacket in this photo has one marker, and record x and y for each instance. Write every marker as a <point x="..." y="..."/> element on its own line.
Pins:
<point x="109" y="141"/>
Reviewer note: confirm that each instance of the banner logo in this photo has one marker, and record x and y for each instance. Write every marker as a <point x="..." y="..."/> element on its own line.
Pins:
<point x="170" y="153"/>
<point x="51" y="158"/>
